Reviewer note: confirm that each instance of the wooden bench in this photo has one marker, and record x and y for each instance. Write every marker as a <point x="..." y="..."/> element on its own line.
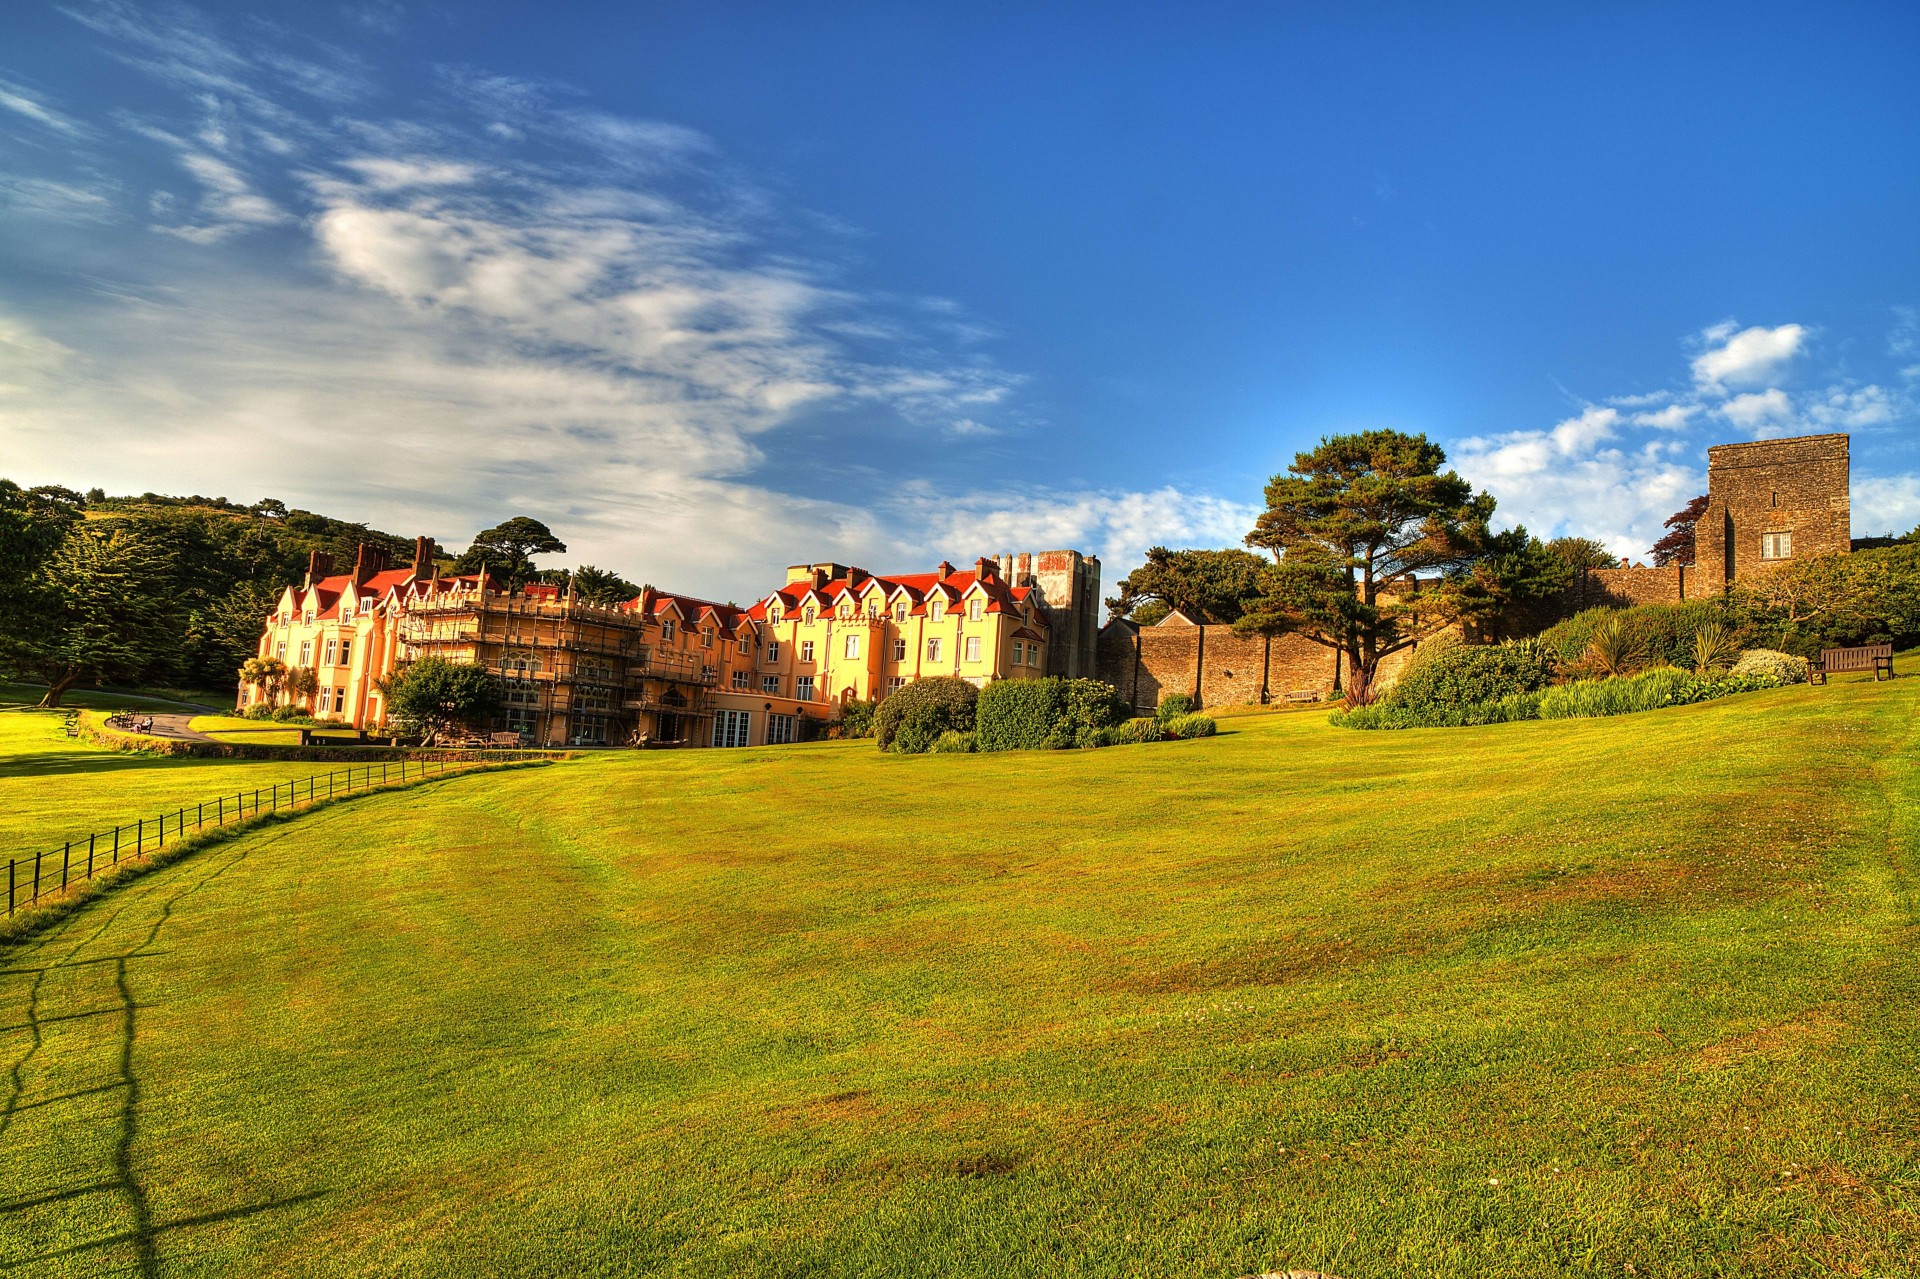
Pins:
<point x="1877" y="658"/>
<point x="1303" y="695"/>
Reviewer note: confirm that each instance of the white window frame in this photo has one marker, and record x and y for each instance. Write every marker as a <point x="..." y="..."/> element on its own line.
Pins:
<point x="346" y="652"/>
<point x="1777" y="545"/>
<point x="803" y="689"/>
<point x="806" y="650"/>
<point x="900" y="649"/>
<point x="973" y="648"/>
<point x="975" y="610"/>
<point x="666" y="630"/>
<point x="937" y="610"/>
<point x="780" y="730"/>
<point x="933" y="648"/>
<point x="853" y="647"/>
<point x="732" y="728"/>
<point x="773" y="651"/>
<point x="770" y="685"/>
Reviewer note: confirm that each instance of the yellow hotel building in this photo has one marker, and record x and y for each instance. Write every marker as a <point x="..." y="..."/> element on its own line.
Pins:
<point x="669" y="669"/>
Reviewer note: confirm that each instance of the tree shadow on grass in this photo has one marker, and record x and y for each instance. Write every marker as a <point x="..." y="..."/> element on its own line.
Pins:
<point x="59" y="763"/>
<point x="125" y="1179"/>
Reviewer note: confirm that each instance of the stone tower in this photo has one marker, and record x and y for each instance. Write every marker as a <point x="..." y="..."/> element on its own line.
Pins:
<point x="1069" y="585"/>
<point x="1770" y="502"/>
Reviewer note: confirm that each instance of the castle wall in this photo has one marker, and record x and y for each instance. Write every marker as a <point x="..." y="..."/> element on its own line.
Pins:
<point x="1216" y="666"/>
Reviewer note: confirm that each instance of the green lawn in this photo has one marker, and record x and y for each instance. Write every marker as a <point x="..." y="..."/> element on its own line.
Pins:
<point x="1629" y="996"/>
<point x="53" y="788"/>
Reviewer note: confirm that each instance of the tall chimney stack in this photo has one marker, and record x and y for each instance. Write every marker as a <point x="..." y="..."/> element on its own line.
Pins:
<point x="424" y="555"/>
<point x="319" y="564"/>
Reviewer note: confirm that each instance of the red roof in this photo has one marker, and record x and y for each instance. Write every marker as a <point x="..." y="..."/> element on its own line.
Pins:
<point x="1001" y="597"/>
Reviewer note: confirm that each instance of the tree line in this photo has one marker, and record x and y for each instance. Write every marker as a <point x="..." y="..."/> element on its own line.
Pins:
<point x="171" y="592"/>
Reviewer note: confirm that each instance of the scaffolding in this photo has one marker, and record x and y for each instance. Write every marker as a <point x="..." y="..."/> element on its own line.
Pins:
<point x="572" y="673"/>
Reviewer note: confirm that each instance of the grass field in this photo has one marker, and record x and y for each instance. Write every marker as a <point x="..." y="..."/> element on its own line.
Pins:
<point x="1629" y="996"/>
<point x="53" y="788"/>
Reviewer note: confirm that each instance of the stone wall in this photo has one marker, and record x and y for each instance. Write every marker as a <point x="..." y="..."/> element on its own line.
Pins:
<point x="1634" y="584"/>
<point x="1216" y="666"/>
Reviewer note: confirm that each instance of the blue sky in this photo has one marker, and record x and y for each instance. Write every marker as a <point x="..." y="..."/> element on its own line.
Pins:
<point x="711" y="288"/>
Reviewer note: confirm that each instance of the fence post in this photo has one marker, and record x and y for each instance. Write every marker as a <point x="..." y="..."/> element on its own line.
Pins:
<point x="66" y="860"/>
<point x="200" y="815"/>
<point x="89" y="857"/>
<point x="9" y="885"/>
<point x="220" y="812"/>
<point x="116" y="845"/>
<point x="139" y="836"/>
<point x="160" y="836"/>
<point x="180" y="823"/>
<point x="36" y="876"/>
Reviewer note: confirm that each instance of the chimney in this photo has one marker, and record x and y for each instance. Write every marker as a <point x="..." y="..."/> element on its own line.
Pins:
<point x="821" y="576"/>
<point x="370" y="560"/>
<point x="981" y="569"/>
<point x="1023" y="568"/>
<point x="319" y="564"/>
<point x="944" y="570"/>
<point x="424" y="555"/>
<point x="855" y="576"/>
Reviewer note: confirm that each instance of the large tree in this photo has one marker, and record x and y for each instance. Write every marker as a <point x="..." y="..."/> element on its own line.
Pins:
<point x="33" y="524"/>
<point x="99" y="612"/>
<point x="434" y="696"/>
<point x="508" y="549"/>
<point x="1583" y="553"/>
<point x="1376" y="548"/>
<point x="1208" y="586"/>
<point x="1676" y="547"/>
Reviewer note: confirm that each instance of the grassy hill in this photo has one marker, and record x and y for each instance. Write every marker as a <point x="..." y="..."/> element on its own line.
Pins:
<point x="1535" y="999"/>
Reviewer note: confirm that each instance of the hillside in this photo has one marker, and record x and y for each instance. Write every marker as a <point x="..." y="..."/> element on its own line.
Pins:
<point x="1593" y="997"/>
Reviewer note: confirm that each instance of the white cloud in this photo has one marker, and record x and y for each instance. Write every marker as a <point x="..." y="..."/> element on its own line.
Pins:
<point x="1745" y="358"/>
<point x="1674" y="417"/>
<point x="1886" y="504"/>
<point x="1116" y="526"/>
<point x="1767" y="412"/>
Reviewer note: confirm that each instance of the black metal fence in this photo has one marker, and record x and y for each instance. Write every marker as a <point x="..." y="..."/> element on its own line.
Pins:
<point x="51" y="872"/>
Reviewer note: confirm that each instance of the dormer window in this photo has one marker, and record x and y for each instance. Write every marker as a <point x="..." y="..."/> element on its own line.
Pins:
<point x="706" y="637"/>
<point x="900" y="612"/>
<point x="974" y="610"/>
<point x="807" y="615"/>
<point x="845" y="611"/>
<point x="873" y="608"/>
<point x="666" y="630"/>
<point x="773" y="615"/>
<point x="937" y="610"/>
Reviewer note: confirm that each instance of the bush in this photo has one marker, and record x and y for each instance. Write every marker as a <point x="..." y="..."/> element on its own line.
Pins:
<point x="952" y="743"/>
<point x="1647" y="691"/>
<point x="259" y="710"/>
<point x="1173" y="706"/>
<point x="1136" y="731"/>
<point x="1654" y="634"/>
<point x="1045" y="714"/>
<point x="912" y="718"/>
<point x="1455" y="674"/>
<point x="1515" y="706"/>
<point x="1770" y="664"/>
<point x="856" y="719"/>
<point x="1188" y="726"/>
<point x="1018" y="714"/>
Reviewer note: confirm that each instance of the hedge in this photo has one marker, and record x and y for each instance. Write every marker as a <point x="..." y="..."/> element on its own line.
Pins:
<point x="1046" y="714"/>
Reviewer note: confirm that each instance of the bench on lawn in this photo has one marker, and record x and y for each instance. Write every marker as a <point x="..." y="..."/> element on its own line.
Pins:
<point x="1877" y="658"/>
<point x="1303" y="695"/>
<point x="511" y="738"/>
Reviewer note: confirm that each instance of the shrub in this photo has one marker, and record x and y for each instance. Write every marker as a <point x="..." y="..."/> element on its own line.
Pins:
<point x="1713" y="649"/>
<point x="1649" y="690"/>
<point x="1135" y="731"/>
<point x="856" y="719"/>
<point x="1514" y="706"/>
<point x="1455" y="674"/>
<point x="1661" y="634"/>
<point x="1045" y="714"/>
<point x="1187" y="726"/>
<point x="1614" y="649"/>
<point x="952" y="743"/>
<point x="1018" y="714"/>
<point x="1173" y="706"/>
<point x="912" y="718"/>
<point x="259" y="710"/>
<point x="1770" y="664"/>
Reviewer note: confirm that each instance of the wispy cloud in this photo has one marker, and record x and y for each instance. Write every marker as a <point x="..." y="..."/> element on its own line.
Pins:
<point x="510" y="301"/>
<point x="25" y="104"/>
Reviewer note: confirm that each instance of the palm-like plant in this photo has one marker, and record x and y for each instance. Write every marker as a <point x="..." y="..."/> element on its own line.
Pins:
<point x="1614" y="650"/>
<point x="1714" y="650"/>
<point x="268" y="674"/>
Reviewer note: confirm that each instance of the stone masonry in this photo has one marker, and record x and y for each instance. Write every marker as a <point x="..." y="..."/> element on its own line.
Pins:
<point x="1769" y="502"/>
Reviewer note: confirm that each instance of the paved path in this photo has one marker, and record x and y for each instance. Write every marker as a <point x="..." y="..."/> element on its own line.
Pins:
<point x="176" y="726"/>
